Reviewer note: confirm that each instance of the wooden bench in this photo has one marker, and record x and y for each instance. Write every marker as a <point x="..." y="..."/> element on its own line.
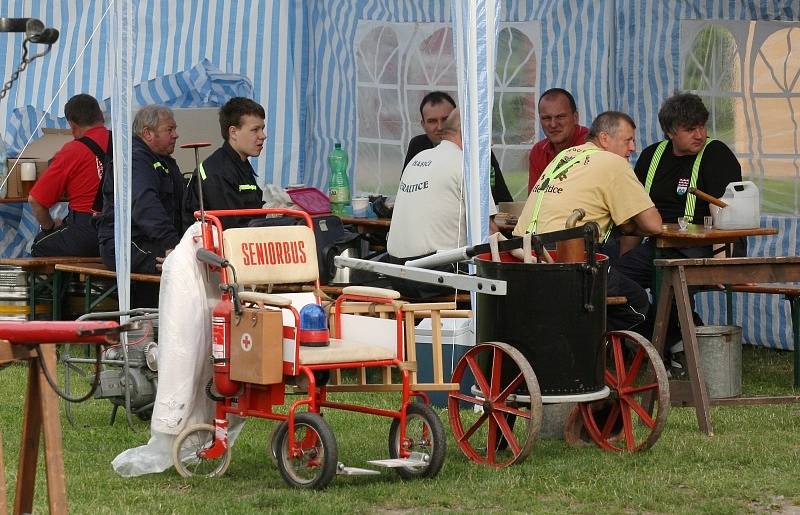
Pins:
<point x="791" y="293"/>
<point x="35" y="267"/>
<point x="88" y="271"/>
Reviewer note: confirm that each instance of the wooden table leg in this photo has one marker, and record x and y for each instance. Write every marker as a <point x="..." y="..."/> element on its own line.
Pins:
<point x="41" y="412"/>
<point x="663" y="308"/>
<point x="3" y="497"/>
<point x="795" y="313"/>
<point x="691" y="350"/>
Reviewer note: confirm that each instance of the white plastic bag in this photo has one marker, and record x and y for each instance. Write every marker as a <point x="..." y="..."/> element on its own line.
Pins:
<point x="276" y="197"/>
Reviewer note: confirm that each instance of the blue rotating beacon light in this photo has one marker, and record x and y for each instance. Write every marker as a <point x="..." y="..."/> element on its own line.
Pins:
<point x="313" y="326"/>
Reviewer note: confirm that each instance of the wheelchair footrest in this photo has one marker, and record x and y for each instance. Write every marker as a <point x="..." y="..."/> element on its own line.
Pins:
<point x="342" y="470"/>
<point x="415" y="460"/>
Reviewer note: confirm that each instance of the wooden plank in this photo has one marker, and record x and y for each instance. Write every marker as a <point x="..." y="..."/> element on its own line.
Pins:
<point x="449" y="313"/>
<point x="29" y="443"/>
<point x="727" y="262"/>
<point x="436" y="346"/>
<point x="752" y="401"/>
<point x="789" y="290"/>
<point x="417" y="387"/>
<point x="691" y="349"/>
<point x="698" y="235"/>
<point x="739" y="273"/>
<point x="46" y="265"/>
<point x="11" y="353"/>
<point x="3" y="496"/>
<point x="429" y="306"/>
<point x="53" y="445"/>
<point x="411" y="343"/>
<point x="100" y="270"/>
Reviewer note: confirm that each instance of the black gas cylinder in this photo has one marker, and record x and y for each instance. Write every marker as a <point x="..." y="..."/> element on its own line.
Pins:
<point x="554" y="314"/>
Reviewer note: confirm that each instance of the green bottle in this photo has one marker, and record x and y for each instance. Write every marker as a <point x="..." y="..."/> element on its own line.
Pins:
<point x="338" y="182"/>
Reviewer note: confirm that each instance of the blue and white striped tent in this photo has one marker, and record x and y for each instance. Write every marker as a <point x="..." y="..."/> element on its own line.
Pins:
<point x="299" y="59"/>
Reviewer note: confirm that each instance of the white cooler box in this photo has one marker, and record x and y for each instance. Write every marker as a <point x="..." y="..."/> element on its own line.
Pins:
<point x="458" y="334"/>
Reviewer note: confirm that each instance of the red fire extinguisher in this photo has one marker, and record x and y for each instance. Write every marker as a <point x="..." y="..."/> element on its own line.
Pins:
<point x="221" y="347"/>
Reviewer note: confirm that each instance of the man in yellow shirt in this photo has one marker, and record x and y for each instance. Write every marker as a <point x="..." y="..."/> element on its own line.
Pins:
<point x="598" y="178"/>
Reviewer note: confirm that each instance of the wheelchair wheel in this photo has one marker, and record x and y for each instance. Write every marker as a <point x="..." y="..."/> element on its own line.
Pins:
<point x="186" y="453"/>
<point x="312" y="462"/>
<point x="424" y="438"/>
<point x="632" y="418"/>
<point x="274" y="440"/>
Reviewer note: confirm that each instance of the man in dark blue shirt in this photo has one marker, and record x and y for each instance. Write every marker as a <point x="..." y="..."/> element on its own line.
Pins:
<point x="156" y="195"/>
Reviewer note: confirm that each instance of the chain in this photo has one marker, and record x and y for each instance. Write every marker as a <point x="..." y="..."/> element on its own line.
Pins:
<point x="14" y="76"/>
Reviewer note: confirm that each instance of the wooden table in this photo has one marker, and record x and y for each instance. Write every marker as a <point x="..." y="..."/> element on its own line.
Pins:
<point x="679" y="274"/>
<point x="672" y="236"/>
<point x="36" y="266"/>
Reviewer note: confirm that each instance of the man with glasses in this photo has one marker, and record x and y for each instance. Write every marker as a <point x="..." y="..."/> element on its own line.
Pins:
<point x="156" y="194"/>
<point x="558" y="115"/>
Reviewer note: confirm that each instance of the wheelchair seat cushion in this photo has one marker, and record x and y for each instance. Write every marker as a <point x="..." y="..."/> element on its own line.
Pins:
<point x="340" y="351"/>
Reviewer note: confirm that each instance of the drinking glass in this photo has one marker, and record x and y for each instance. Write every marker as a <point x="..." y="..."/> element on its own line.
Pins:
<point x="708" y="222"/>
<point x="683" y="223"/>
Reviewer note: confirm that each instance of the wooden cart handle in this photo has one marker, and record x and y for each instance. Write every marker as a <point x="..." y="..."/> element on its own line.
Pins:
<point x="702" y="195"/>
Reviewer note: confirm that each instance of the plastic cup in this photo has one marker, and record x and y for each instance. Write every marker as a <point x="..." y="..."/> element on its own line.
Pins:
<point x="708" y="222"/>
<point x="683" y="223"/>
<point x="360" y="207"/>
<point x="27" y="175"/>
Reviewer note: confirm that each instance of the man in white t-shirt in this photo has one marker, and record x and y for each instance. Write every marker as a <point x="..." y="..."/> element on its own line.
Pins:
<point x="429" y="210"/>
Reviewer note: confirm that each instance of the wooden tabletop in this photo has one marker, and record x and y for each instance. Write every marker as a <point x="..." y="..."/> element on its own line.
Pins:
<point x="45" y="264"/>
<point x="100" y="270"/>
<point x="699" y="236"/>
<point x="13" y="200"/>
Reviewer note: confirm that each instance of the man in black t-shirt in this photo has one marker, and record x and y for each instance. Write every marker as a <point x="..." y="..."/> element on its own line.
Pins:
<point x="434" y="109"/>
<point x="668" y="168"/>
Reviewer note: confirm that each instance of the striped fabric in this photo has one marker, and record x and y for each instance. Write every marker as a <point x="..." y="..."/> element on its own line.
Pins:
<point x="299" y="57"/>
<point x="202" y="85"/>
<point x="265" y="41"/>
<point x="765" y="319"/>
<point x="647" y="49"/>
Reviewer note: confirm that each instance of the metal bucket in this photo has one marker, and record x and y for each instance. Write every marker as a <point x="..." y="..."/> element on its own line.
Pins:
<point x="721" y="359"/>
<point x="554" y="314"/>
<point x="14" y="296"/>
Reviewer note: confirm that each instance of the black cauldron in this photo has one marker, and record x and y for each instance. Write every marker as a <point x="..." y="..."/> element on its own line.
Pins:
<point x="554" y="314"/>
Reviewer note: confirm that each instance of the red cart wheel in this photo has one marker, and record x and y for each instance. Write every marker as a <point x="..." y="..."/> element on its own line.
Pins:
<point x="633" y="416"/>
<point x="506" y="390"/>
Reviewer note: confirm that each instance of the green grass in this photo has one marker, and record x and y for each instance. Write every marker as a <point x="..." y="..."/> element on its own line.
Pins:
<point x="749" y="466"/>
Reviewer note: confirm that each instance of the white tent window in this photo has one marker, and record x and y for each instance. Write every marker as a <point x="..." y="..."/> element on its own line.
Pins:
<point x="399" y="63"/>
<point x="748" y="74"/>
<point x="514" y="121"/>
